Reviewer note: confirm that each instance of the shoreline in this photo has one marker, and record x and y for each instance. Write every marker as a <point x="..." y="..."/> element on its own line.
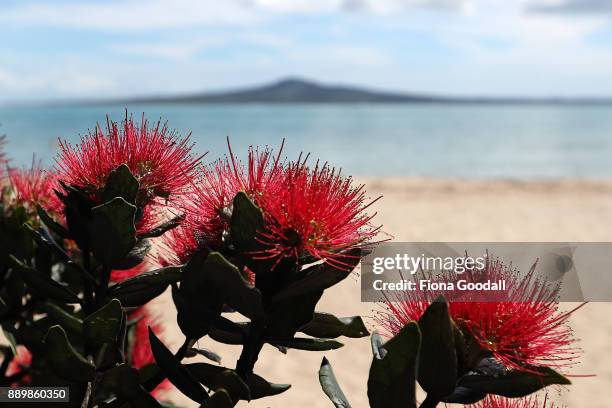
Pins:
<point x="454" y="184"/>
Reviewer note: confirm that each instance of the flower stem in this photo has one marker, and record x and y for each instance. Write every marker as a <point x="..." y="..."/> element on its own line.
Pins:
<point x="250" y="352"/>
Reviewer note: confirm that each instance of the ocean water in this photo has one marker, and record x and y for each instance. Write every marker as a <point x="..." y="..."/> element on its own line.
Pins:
<point x="518" y="142"/>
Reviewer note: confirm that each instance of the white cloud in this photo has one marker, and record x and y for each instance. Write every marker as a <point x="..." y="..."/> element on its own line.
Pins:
<point x="72" y="80"/>
<point x="134" y="15"/>
<point x="180" y="49"/>
<point x="129" y="15"/>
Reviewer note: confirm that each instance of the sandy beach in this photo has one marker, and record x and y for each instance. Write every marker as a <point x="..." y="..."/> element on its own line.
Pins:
<point x="435" y="210"/>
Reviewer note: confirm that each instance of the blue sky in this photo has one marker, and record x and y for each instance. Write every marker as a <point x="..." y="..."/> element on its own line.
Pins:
<point x="78" y="48"/>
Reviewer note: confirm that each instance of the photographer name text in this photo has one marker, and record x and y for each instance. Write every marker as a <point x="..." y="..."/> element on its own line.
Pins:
<point x="429" y="285"/>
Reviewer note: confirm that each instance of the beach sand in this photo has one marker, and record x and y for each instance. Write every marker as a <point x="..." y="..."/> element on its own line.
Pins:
<point x="435" y="210"/>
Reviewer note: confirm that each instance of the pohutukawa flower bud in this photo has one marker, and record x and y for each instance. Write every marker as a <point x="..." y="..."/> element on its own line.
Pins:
<point x="525" y="327"/>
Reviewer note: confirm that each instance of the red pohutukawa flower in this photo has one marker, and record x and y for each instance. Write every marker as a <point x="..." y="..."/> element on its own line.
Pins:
<point x="212" y="193"/>
<point x="317" y="214"/>
<point x="140" y="353"/>
<point x="493" y="401"/>
<point x="34" y="186"/>
<point x="160" y="160"/>
<point x="521" y="326"/>
<point x="310" y="214"/>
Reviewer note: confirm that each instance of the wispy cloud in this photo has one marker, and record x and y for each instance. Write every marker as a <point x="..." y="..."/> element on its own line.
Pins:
<point x="389" y="6"/>
<point x="572" y="7"/>
<point x="131" y="15"/>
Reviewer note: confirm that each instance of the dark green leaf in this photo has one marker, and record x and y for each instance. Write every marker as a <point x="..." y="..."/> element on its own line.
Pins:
<point x="10" y="337"/>
<point x="142" y="288"/>
<point x="286" y="317"/>
<point x="65" y="361"/>
<point x="53" y="225"/>
<point x="121" y="183"/>
<point x="496" y="379"/>
<point x="216" y="377"/>
<point x="209" y="354"/>
<point x="233" y="384"/>
<point x="469" y="351"/>
<point x="261" y="388"/>
<point x="247" y="221"/>
<point x="14" y="239"/>
<point x="309" y="344"/>
<point x="44" y="239"/>
<point x="64" y="318"/>
<point x="77" y="208"/>
<point x="162" y="228"/>
<point x="15" y="289"/>
<point x="192" y="315"/>
<point x="464" y="395"/>
<point x="3" y="307"/>
<point x="317" y="278"/>
<point x="125" y="382"/>
<point x="175" y="371"/>
<point x="330" y="385"/>
<point x="104" y="324"/>
<point x="392" y="379"/>
<point x="438" y="357"/>
<point x="43" y="285"/>
<point x="218" y="282"/>
<point x="227" y="337"/>
<point x="220" y="399"/>
<point x="330" y="327"/>
<point x="112" y="231"/>
<point x="135" y="256"/>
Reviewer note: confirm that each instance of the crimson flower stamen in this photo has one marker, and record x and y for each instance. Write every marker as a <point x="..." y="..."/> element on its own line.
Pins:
<point x="160" y="160"/>
<point x="524" y="326"/>
<point x="318" y="214"/>
<point x="206" y="207"/>
<point x="34" y="186"/>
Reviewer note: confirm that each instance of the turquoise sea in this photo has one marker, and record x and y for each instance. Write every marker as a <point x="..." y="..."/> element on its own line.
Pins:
<point x="521" y="142"/>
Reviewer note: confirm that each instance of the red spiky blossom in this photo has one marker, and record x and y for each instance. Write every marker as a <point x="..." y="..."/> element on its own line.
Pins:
<point x="139" y="351"/>
<point x="35" y="186"/>
<point x="317" y="214"/>
<point x="313" y="213"/>
<point x="20" y="363"/>
<point x="212" y="193"/>
<point x="177" y="246"/>
<point x="520" y="326"/>
<point x="494" y="401"/>
<point x="160" y="159"/>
